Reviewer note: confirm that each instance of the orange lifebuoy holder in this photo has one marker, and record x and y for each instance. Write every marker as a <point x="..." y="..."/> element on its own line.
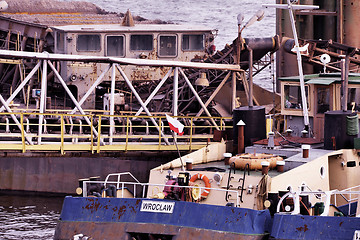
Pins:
<point x="206" y="180"/>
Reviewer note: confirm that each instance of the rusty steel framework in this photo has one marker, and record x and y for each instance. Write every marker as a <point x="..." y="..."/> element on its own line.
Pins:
<point x="46" y="60"/>
<point x="328" y="30"/>
<point x="336" y="51"/>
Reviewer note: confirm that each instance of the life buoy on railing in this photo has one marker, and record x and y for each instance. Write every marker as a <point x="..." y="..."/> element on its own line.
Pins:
<point x="206" y="180"/>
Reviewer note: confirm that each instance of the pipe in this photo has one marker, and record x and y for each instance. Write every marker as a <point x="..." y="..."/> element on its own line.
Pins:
<point x="176" y="91"/>
<point x="112" y="104"/>
<point x="42" y="100"/>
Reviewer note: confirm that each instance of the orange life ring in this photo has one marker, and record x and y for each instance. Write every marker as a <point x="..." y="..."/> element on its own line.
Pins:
<point x="205" y="179"/>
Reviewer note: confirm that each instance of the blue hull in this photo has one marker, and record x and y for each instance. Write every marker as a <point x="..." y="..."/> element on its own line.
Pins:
<point x="313" y="227"/>
<point x="121" y="218"/>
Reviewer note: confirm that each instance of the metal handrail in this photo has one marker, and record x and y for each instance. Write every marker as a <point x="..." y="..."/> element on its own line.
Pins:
<point x="296" y="196"/>
<point x="24" y="127"/>
<point x="144" y="185"/>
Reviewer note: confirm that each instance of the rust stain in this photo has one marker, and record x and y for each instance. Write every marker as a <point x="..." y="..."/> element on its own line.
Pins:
<point x="132" y="209"/>
<point x="305" y="228"/>
<point x="121" y="211"/>
<point x="92" y="206"/>
<point x="341" y="224"/>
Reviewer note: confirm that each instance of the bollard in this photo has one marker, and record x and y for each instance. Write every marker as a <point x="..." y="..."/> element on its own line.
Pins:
<point x="227" y="157"/>
<point x="189" y="163"/>
<point x="265" y="167"/>
<point x="305" y="150"/>
<point x="280" y="166"/>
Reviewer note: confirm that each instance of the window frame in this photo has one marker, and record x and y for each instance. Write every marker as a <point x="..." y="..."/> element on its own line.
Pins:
<point x="193" y="50"/>
<point x="141" y="34"/>
<point x="176" y="45"/>
<point x="115" y="35"/>
<point x="84" y="34"/>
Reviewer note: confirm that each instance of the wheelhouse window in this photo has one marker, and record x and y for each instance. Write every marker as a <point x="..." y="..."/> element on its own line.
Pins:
<point x="193" y="42"/>
<point x="323" y="99"/>
<point x="60" y="41"/>
<point x="354" y="99"/>
<point x="88" y="43"/>
<point x="141" y="42"/>
<point x="293" y="96"/>
<point x="167" y="46"/>
<point x="115" y="46"/>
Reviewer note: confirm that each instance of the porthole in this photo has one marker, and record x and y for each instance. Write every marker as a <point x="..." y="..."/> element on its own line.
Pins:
<point x="322" y="172"/>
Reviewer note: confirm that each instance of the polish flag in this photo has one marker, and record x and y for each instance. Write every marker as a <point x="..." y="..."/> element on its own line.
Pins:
<point x="175" y="125"/>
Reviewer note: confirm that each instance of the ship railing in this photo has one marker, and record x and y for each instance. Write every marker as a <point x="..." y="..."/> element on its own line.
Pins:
<point x="122" y="186"/>
<point x="95" y="132"/>
<point x="350" y="196"/>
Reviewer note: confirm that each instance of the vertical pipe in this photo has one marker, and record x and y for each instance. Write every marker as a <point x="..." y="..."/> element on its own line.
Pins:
<point x="241" y="138"/>
<point x="62" y="126"/>
<point x="98" y="135"/>
<point x="342" y="89"/>
<point x="301" y="75"/>
<point x="42" y="100"/>
<point x="176" y="91"/>
<point x="233" y="88"/>
<point x="112" y="104"/>
<point x="22" y="132"/>
<point x="340" y="21"/>
<point x="91" y="134"/>
<point x="251" y="104"/>
<point x="345" y="80"/>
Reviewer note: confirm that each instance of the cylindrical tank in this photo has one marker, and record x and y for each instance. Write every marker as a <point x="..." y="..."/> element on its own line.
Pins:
<point x="255" y="123"/>
<point x="335" y="131"/>
<point x="351" y="23"/>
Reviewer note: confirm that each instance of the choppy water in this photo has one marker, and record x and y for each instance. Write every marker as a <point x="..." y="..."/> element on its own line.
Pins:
<point x="36" y="217"/>
<point x="28" y="217"/>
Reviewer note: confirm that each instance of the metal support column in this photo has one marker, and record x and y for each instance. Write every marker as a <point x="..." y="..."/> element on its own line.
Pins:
<point x="42" y="100"/>
<point x="300" y="68"/>
<point x="233" y="90"/>
<point x="112" y="104"/>
<point x="72" y="98"/>
<point x="142" y="103"/>
<point x="251" y="101"/>
<point x="175" y="91"/>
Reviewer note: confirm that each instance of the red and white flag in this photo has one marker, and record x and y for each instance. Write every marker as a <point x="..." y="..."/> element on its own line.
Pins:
<point x="175" y="125"/>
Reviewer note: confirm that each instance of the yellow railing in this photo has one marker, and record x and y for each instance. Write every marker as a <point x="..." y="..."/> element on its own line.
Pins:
<point x="95" y="132"/>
